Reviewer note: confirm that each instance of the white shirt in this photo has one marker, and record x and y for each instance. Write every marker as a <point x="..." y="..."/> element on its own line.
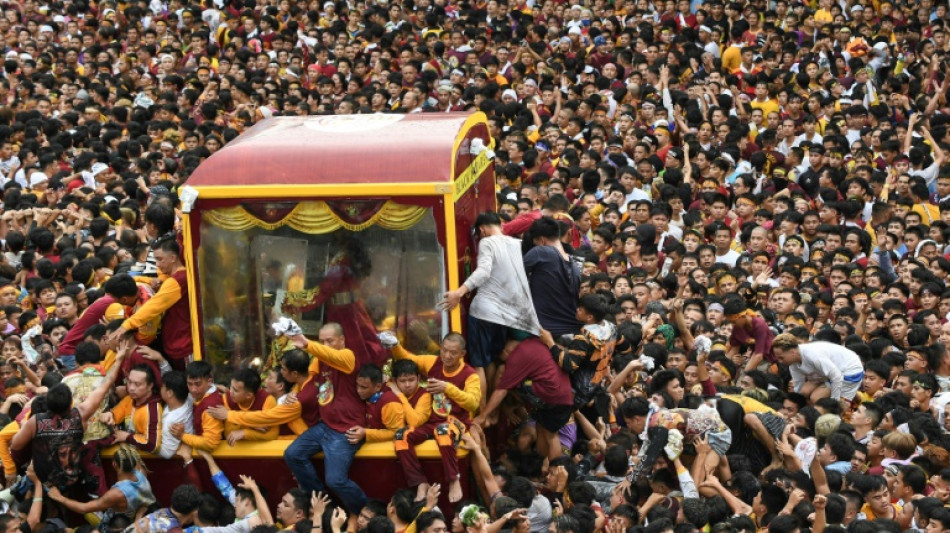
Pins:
<point x="728" y="258"/>
<point x="826" y="362"/>
<point x="815" y="138"/>
<point x="5" y="166"/>
<point x="503" y="295"/>
<point x="183" y="415"/>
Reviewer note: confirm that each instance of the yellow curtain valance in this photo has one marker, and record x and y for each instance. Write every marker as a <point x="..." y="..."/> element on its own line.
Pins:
<point x="316" y="218"/>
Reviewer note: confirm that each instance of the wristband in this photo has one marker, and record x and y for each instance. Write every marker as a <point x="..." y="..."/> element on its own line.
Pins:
<point x="39" y="499"/>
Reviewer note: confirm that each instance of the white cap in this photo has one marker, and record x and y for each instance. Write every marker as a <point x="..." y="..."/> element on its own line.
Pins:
<point x="45" y="28"/>
<point x="38" y="178"/>
<point x="574" y="31"/>
<point x="705" y="29"/>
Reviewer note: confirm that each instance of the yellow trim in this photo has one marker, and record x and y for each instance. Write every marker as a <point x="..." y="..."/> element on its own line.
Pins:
<point x="452" y="263"/>
<point x="274" y="449"/>
<point x="470" y="175"/>
<point x="213" y="192"/>
<point x="192" y="292"/>
<point x="316" y="218"/>
<point x="473" y="120"/>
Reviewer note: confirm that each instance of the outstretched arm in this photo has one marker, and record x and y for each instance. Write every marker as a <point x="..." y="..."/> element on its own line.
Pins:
<point x="94" y="400"/>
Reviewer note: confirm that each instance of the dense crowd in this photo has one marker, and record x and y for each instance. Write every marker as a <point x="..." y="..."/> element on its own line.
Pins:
<point x="714" y="296"/>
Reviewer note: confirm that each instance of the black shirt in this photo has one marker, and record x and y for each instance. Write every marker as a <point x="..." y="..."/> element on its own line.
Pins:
<point x="554" y="284"/>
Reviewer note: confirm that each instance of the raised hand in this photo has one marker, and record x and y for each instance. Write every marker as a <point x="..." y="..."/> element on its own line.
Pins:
<point x="318" y="502"/>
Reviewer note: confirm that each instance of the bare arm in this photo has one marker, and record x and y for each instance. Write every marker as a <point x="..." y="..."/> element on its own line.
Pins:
<point x="94" y="400"/>
<point x="819" y="477"/>
<point x="493" y="402"/>
<point x="28" y="372"/>
<point x="483" y="474"/>
<point x="820" y="521"/>
<point x="909" y="136"/>
<point x="25" y="435"/>
<point x="738" y="506"/>
<point x="617" y="383"/>
<point x="112" y="499"/>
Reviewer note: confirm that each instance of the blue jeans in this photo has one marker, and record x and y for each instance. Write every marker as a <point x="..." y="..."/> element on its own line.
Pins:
<point x="338" y="456"/>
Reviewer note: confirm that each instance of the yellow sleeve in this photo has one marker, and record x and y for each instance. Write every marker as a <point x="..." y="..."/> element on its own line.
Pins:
<point x="411" y="528"/>
<point x="342" y="360"/>
<point x="109" y="360"/>
<point x="167" y="296"/>
<point x="418" y="415"/>
<point x="252" y="434"/>
<point x="147" y="423"/>
<point x="279" y="414"/>
<point x="6" y="435"/>
<point x="210" y="437"/>
<point x="468" y="398"/>
<point x="425" y="362"/>
<point x="147" y="280"/>
<point x="595" y="213"/>
<point x="122" y="410"/>
<point x="393" y="418"/>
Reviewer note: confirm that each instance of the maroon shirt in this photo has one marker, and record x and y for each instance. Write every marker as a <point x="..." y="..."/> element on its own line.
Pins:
<point x="256" y="405"/>
<point x="374" y="411"/>
<point x="176" y="324"/>
<point x="438" y="400"/>
<point x="760" y="335"/>
<point x="532" y="360"/>
<point x="340" y="406"/>
<point x="90" y="317"/>
<point x="309" y="407"/>
<point x="210" y="400"/>
<point x="133" y="361"/>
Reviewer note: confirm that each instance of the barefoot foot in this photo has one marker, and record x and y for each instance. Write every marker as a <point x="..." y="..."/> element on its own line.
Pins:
<point x="421" y="492"/>
<point x="455" y="491"/>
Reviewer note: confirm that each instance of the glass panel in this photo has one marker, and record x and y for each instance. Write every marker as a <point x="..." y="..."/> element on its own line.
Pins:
<point x="246" y="276"/>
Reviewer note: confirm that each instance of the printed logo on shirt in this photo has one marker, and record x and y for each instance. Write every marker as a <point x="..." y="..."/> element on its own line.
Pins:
<point x="441" y="405"/>
<point x="325" y="394"/>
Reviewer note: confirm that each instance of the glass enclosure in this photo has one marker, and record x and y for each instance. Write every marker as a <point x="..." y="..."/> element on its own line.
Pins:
<point x="253" y="273"/>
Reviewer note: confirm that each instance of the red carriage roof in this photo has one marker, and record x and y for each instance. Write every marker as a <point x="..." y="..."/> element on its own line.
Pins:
<point x="348" y="149"/>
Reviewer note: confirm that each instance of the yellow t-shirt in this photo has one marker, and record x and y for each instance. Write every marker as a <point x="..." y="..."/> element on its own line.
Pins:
<point x="731" y="58"/>
<point x="928" y="213"/>
<point x="767" y="106"/>
<point x="749" y="405"/>
<point x="866" y="509"/>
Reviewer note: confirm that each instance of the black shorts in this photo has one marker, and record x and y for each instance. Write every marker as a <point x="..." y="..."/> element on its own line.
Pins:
<point x="553" y="417"/>
<point x="773" y="423"/>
